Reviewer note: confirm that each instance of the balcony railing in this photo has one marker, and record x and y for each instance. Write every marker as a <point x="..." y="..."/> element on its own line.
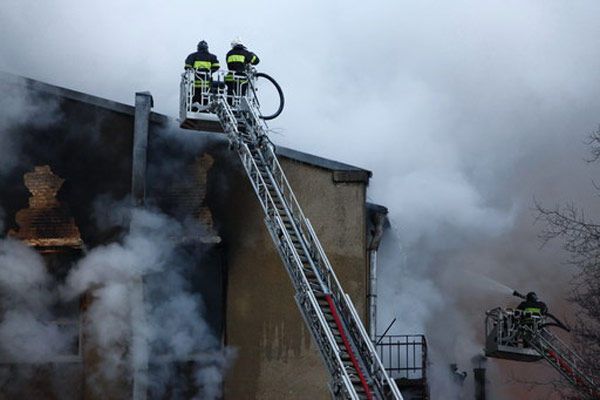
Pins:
<point x="403" y="356"/>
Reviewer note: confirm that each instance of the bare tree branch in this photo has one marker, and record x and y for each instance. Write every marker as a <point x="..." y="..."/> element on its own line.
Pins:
<point x="594" y="143"/>
<point x="580" y="237"/>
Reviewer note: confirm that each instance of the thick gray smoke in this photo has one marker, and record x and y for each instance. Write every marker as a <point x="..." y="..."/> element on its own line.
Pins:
<point x="27" y="293"/>
<point x="19" y="108"/>
<point x="170" y="328"/>
<point x="464" y="111"/>
<point x="142" y="310"/>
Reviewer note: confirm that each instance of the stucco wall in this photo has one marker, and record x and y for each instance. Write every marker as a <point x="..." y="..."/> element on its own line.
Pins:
<point x="276" y="356"/>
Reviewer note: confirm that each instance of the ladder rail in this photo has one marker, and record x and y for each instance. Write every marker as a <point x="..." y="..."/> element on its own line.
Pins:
<point x="259" y="185"/>
<point x="364" y="344"/>
<point x="544" y="340"/>
<point x="360" y="336"/>
<point x="313" y="251"/>
<point x="348" y="311"/>
<point x="309" y="307"/>
<point x="296" y="227"/>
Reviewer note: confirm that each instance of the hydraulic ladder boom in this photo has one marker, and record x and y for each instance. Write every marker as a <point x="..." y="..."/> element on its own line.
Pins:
<point x="562" y="358"/>
<point x="522" y="336"/>
<point x="350" y="357"/>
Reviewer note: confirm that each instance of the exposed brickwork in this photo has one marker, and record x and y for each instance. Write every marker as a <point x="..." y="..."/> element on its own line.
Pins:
<point x="190" y="194"/>
<point x="46" y="224"/>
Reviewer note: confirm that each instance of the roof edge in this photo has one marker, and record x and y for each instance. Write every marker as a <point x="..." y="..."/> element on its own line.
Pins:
<point x="342" y="173"/>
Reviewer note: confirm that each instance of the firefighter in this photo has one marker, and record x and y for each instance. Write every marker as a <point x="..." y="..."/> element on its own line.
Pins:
<point x="534" y="314"/>
<point x="533" y="305"/>
<point x="237" y="59"/>
<point x="204" y="63"/>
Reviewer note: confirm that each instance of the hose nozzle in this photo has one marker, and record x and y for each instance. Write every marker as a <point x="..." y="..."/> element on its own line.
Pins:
<point x="517" y="294"/>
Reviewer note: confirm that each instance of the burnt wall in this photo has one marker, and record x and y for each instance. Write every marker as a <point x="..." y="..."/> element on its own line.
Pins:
<point x="88" y="146"/>
<point x="88" y="142"/>
<point x="180" y="166"/>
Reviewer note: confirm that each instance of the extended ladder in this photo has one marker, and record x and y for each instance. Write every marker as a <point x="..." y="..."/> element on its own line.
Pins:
<point x="523" y="336"/>
<point x="570" y="365"/>
<point x="350" y="357"/>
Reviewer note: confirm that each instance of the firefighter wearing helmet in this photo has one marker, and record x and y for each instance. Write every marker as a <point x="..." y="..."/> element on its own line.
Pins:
<point x="237" y="60"/>
<point x="533" y="305"/>
<point x="204" y="63"/>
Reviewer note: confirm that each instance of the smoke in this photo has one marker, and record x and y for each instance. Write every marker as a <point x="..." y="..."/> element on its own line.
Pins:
<point x="464" y="112"/>
<point x="26" y="296"/>
<point x="171" y="328"/>
<point x="143" y="318"/>
<point x="17" y="106"/>
<point x="20" y="108"/>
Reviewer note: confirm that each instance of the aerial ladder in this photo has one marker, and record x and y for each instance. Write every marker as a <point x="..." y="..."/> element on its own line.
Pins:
<point x="349" y="355"/>
<point x="522" y="336"/>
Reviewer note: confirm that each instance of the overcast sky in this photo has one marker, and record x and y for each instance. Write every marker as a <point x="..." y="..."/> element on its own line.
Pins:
<point x="464" y="111"/>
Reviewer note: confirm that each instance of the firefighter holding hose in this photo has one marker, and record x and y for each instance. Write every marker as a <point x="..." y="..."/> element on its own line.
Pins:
<point x="532" y="305"/>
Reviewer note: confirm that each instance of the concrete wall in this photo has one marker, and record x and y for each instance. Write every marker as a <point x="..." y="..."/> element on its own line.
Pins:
<point x="276" y="354"/>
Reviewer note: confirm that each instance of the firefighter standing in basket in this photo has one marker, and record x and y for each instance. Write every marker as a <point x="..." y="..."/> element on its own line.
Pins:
<point x="533" y="305"/>
<point x="204" y="63"/>
<point x="237" y="60"/>
<point x="534" y="312"/>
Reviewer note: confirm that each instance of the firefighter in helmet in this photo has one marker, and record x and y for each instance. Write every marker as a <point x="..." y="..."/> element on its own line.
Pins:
<point x="533" y="305"/>
<point x="534" y="313"/>
<point x="237" y="60"/>
<point x="204" y="63"/>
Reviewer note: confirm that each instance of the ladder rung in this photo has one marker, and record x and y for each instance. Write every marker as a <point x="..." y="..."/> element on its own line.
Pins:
<point x="326" y="310"/>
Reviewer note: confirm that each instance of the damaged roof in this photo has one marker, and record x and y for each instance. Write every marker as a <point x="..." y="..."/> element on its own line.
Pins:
<point x="341" y="172"/>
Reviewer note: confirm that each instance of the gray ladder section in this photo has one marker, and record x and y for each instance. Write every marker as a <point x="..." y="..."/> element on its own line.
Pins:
<point x="566" y="361"/>
<point x="350" y="357"/>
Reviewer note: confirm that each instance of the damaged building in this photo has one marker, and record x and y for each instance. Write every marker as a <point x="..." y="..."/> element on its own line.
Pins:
<point x="210" y="313"/>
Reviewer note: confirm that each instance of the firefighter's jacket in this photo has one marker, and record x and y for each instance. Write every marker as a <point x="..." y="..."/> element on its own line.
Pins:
<point x="202" y="61"/>
<point x="534" y="307"/>
<point x="237" y="59"/>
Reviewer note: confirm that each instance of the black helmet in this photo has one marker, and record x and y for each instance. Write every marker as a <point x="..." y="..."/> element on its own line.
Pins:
<point x="531" y="296"/>
<point x="202" y="45"/>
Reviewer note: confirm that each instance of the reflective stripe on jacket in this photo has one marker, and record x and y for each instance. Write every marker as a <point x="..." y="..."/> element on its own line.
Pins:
<point x="534" y="310"/>
<point x="202" y="61"/>
<point x="238" y="57"/>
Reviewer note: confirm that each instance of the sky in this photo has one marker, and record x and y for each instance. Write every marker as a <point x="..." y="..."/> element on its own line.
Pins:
<point x="465" y="111"/>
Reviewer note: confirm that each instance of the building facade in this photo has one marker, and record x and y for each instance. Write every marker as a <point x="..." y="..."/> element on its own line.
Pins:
<point x="75" y="151"/>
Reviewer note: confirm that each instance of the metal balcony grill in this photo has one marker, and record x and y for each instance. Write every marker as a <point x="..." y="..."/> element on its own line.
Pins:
<point x="403" y="356"/>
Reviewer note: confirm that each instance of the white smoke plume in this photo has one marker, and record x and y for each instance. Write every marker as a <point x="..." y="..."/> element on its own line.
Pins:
<point x="17" y="106"/>
<point x="20" y="108"/>
<point x="129" y="336"/>
<point x="464" y="111"/>
<point x="171" y="328"/>
<point x="27" y="293"/>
